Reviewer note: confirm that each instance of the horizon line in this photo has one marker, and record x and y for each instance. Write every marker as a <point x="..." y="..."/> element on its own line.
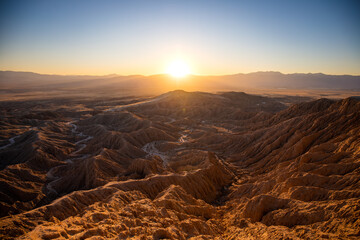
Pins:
<point x="166" y="74"/>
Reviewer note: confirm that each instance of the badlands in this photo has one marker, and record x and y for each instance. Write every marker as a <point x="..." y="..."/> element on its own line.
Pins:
<point x="180" y="165"/>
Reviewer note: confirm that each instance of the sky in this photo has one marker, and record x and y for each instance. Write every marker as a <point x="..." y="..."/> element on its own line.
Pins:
<point x="99" y="37"/>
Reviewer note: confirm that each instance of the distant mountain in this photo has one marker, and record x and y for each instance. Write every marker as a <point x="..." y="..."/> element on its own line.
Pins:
<point x="10" y="79"/>
<point x="162" y="83"/>
<point x="295" y="80"/>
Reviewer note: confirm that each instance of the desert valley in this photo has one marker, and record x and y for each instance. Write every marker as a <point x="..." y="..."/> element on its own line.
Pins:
<point x="179" y="165"/>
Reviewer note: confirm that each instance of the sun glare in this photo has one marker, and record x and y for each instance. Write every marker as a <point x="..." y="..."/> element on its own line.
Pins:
<point x="178" y="69"/>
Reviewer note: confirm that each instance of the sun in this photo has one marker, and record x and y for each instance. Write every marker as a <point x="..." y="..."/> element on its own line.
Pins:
<point x="178" y="69"/>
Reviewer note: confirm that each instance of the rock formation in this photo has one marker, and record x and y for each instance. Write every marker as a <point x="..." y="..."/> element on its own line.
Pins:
<point x="181" y="166"/>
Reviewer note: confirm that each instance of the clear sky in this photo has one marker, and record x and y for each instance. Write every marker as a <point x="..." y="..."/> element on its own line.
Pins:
<point x="213" y="37"/>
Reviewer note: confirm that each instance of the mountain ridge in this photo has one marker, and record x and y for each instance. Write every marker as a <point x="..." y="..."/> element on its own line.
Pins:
<point x="162" y="82"/>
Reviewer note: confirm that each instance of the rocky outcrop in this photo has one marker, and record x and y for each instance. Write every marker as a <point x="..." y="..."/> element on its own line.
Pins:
<point x="184" y="194"/>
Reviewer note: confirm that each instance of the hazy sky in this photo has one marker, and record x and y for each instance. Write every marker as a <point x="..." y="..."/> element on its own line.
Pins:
<point x="214" y="37"/>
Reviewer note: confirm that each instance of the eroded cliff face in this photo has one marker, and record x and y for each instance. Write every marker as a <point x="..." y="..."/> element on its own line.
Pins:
<point x="181" y="166"/>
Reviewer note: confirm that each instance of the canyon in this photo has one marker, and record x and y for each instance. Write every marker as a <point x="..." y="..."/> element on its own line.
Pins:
<point x="180" y="165"/>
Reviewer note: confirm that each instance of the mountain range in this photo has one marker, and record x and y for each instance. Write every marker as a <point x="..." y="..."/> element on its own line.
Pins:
<point x="162" y="83"/>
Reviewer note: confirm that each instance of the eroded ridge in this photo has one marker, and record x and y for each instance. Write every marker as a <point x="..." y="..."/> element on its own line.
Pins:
<point x="180" y="166"/>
